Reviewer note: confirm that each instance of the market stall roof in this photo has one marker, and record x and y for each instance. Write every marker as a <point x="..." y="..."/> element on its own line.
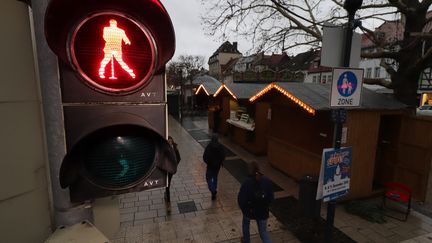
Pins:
<point x="313" y="96"/>
<point x="241" y="90"/>
<point x="207" y="83"/>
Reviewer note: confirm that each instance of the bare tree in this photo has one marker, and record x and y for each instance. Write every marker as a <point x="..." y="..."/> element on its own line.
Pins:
<point x="184" y="69"/>
<point x="288" y="24"/>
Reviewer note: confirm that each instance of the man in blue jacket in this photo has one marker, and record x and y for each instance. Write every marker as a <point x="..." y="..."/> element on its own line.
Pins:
<point x="214" y="156"/>
<point x="254" y="198"/>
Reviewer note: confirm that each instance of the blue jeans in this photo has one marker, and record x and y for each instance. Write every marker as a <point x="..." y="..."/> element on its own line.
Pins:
<point x="211" y="177"/>
<point x="262" y="229"/>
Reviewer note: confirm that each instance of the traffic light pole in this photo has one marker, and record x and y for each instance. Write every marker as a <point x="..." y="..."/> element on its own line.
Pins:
<point x="337" y="135"/>
<point x="64" y="212"/>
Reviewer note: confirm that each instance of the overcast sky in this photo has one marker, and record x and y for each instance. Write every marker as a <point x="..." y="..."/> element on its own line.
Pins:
<point x="190" y="37"/>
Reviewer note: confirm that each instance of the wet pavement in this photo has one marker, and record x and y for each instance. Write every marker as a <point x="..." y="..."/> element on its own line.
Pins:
<point x="194" y="217"/>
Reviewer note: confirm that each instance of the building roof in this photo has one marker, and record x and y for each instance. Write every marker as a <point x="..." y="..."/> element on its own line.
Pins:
<point x="392" y="31"/>
<point x="226" y="47"/>
<point x="228" y="67"/>
<point x="301" y="61"/>
<point x="209" y="83"/>
<point x="317" y="97"/>
<point x="378" y="88"/>
<point x="245" y="90"/>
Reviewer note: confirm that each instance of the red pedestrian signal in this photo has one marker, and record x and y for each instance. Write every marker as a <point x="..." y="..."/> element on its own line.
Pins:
<point x="112" y="56"/>
<point x="114" y="38"/>
<point x="107" y="50"/>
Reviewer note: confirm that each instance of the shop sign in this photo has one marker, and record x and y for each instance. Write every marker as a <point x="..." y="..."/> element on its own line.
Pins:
<point x="335" y="174"/>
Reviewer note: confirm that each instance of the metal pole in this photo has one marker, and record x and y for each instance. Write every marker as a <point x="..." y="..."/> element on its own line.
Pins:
<point x="181" y="95"/>
<point x="337" y="136"/>
<point x="64" y="212"/>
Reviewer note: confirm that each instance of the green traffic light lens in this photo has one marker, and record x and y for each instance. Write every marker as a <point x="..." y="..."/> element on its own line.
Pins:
<point x="116" y="160"/>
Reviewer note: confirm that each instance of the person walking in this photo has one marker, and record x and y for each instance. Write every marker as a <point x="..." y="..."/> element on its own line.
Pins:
<point x="170" y="175"/>
<point x="214" y="155"/>
<point x="254" y="198"/>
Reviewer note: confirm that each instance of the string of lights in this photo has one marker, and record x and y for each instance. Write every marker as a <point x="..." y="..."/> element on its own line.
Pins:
<point x="303" y="105"/>
<point x="223" y="86"/>
<point x="203" y="88"/>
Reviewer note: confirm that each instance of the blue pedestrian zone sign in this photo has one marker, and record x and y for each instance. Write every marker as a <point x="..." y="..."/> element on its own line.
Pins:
<point x="347" y="84"/>
<point x="346" y="87"/>
<point x="335" y="174"/>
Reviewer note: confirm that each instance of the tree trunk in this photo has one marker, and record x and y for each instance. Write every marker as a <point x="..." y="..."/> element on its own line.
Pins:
<point x="405" y="80"/>
<point x="405" y="86"/>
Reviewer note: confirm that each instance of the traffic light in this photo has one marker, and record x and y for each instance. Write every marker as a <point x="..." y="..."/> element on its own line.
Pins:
<point x="112" y="56"/>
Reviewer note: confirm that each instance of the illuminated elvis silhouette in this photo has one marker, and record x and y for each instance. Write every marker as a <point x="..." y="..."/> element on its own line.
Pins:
<point x="114" y="38"/>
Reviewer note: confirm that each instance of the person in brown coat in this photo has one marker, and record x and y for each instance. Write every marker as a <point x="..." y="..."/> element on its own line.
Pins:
<point x="170" y="175"/>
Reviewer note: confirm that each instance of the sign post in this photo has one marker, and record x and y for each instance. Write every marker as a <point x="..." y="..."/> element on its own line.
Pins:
<point x="351" y="6"/>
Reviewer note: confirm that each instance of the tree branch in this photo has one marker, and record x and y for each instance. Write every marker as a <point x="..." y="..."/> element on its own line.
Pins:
<point x="312" y="16"/>
<point x="379" y="81"/>
<point x="421" y="63"/>
<point x="425" y="4"/>
<point x="383" y="5"/>
<point x="389" y="69"/>
<point x="402" y="7"/>
<point x="381" y="54"/>
<point x="285" y="12"/>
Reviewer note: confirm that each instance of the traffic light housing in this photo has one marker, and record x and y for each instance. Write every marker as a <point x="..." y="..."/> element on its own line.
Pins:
<point x="112" y="56"/>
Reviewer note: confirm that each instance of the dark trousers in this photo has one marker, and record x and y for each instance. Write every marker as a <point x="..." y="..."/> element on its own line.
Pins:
<point x="211" y="177"/>
<point x="167" y="189"/>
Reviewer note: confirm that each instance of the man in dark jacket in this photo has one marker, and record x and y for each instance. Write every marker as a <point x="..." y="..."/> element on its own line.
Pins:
<point x="254" y="198"/>
<point x="214" y="155"/>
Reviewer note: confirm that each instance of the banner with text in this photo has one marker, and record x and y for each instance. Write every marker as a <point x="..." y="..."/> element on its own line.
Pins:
<point x="335" y="174"/>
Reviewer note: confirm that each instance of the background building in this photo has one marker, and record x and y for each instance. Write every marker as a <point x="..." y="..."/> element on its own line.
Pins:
<point x="222" y="56"/>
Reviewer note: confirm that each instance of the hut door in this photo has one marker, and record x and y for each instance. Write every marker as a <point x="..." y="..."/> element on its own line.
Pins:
<point x="387" y="147"/>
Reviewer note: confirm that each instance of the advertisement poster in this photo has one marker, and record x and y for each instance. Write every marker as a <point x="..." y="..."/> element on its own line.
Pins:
<point x="335" y="174"/>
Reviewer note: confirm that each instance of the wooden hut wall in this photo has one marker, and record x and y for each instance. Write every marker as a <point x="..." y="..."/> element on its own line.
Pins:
<point x="234" y="105"/>
<point x="214" y="105"/>
<point x="222" y="103"/>
<point x="202" y="100"/>
<point x="414" y="156"/>
<point x="297" y="138"/>
<point x="254" y="141"/>
<point x="362" y="135"/>
<point x="391" y="147"/>
<point x="224" y="115"/>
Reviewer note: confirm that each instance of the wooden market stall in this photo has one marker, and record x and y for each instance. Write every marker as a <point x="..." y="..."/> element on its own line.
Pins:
<point x="204" y="96"/>
<point x="301" y="128"/>
<point x="245" y="123"/>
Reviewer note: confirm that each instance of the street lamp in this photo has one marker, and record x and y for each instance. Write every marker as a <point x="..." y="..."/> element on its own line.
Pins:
<point x="182" y="74"/>
<point x="351" y="6"/>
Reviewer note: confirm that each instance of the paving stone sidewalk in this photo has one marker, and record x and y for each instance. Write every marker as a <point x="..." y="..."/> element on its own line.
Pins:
<point x="418" y="227"/>
<point x="144" y="217"/>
